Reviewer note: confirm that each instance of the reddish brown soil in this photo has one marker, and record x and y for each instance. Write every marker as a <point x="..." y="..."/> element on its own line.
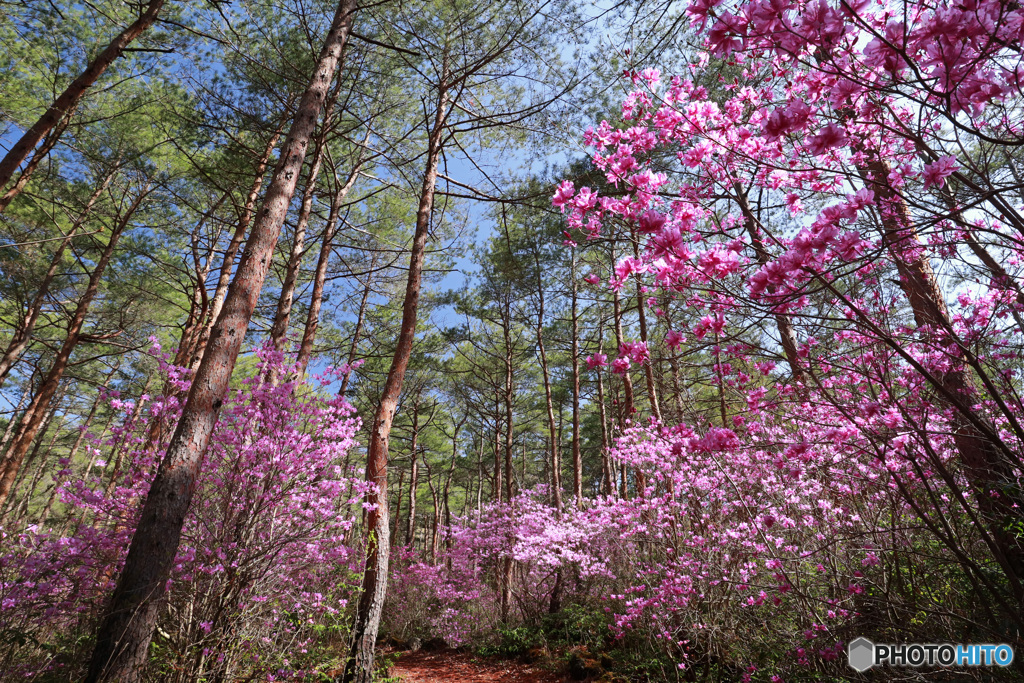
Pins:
<point x="449" y="666"/>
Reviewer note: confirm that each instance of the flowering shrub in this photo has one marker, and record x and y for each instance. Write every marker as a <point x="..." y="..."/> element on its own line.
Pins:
<point x="267" y="560"/>
<point x="796" y="212"/>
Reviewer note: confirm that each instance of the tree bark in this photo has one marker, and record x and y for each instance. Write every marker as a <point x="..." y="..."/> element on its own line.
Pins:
<point x="556" y="465"/>
<point x="627" y="409"/>
<point x="279" y="330"/>
<point x="37" y="157"/>
<point x="320" y="277"/>
<point x="787" y="336"/>
<point x="359" y="668"/>
<point x="33" y="416"/>
<point x="607" y="466"/>
<point x="68" y="99"/>
<point x="235" y="243"/>
<point x="641" y="308"/>
<point x="577" y="456"/>
<point x="410" y="530"/>
<point x="22" y="337"/>
<point x="124" y="635"/>
<point x="986" y="468"/>
<point x="82" y="431"/>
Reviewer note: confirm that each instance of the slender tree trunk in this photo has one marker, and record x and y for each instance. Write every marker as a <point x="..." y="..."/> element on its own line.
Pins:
<point x="37" y="157"/>
<point x="627" y="409"/>
<point x="220" y="292"/>
<point x="68" y="99"/>
<point x="320" y="278"/>
<point x="15" y="418"/>
<point x="496" y="488"/>
<point x="127" y="628"/>
<point x="556" y="465"/>
<point x="359" y="668"/>
<point x="19" y="482"/>
<point x="33" y="416"/>
<point x="448" y="483"/>
<point x="577" y="456"/>
<point x="26" y="501"/>
<point x="82" y="431"/>
<point x="607" y="466"/>
<point x="200" y="299"/>
<point x="988" y="471"/>
<point x="397" y="521"/>
<point x="787" y="336"/>
<point x="123" y="445"/>
<point x="410" y="530"/>
<point x="506" y="563"/>
<point x="435" y="525"/>
<point x="641" y="309"/>
<point x="279" y="330"/>
<point x="23" y="335"/>
<point x="480" y="478"/>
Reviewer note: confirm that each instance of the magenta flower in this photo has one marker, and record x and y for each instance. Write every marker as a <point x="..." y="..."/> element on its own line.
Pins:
<point x="935" y="174"/>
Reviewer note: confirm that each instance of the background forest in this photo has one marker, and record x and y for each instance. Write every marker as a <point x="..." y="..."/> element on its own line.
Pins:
<point x="650" y="341"/>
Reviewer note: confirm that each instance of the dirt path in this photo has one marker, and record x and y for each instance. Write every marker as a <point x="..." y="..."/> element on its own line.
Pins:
<point x="448" y="666"/>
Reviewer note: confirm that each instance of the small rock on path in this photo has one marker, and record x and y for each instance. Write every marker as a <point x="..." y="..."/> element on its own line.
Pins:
<point x="450" y="666"/>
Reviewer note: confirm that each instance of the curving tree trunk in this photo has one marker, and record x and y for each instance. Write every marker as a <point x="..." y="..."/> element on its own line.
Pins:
<point x="359" y="668"/>
<point x="787" y="336"/>
<point x="22" y="336"/>
<point x="320" y="278"/>
<point x="68" y="99"/>
<point x="32" y="419"/>
<point x="988" y="470"/>
<point x="234" y="245"/>
<point x="124" y="635"/>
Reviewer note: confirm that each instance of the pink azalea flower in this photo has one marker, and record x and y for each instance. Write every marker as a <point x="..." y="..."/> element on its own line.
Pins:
<point x="935" y="174"/>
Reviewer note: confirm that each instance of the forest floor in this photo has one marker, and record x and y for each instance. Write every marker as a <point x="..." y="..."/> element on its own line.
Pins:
<point x="450" y="665"/>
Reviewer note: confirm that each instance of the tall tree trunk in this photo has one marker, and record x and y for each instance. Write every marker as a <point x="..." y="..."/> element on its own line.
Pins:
<point x="228" y="262"/>
<point x="124" y="635"/>
<point x="279" y="330"/>
<point x="359" y="668"/>
<point x="26" y="500"/>
<point x="496" y="487"/>
<point x="82" y="431"/>
<point x="37" y="157"/>
<point x="410" y="530"/>
<point x="33" y="416"/>
<point x="200" y="302"/>
<point x="607" y="466"/>
<point x="787" y="336"/>
<point x="577" y="456"/>
<point x="19" y="482"/>
<point x="320" y="278"/>
<point x="505" y="580"/>
<point x="556" y="465"/>
<point x="22" y="336"/>
<point x="15" y="416"/>
<point x="641" y="309"/>
<point x="627" y="409"/>
<point x="448" y="482"/>
<point x="987" y="469"/>
<point x="68" y="99"/>
<point x="435" y="523"/>
<point x="397" y="521"/>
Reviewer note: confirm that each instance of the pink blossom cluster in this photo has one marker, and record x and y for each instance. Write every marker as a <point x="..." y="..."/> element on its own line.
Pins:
<point x="265" y="552"/>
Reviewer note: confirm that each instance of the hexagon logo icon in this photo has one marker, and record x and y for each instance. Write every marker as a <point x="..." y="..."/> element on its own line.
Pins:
<point x="861" y="653"/>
